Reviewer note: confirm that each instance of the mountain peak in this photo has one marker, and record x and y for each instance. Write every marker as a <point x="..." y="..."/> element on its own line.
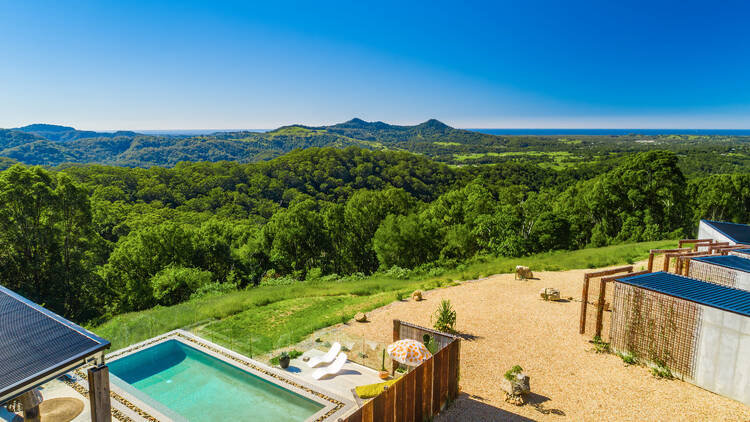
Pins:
<point x="357" y="123"/>
<point x="44" y="127"/>
<point x="434" y="124"/>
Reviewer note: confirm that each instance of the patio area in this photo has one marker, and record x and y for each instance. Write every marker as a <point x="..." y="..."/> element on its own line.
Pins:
<point x="55" y="389"/>
<point x="351" y="375"/>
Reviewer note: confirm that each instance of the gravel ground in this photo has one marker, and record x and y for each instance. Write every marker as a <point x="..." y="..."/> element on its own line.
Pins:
<point x="506" y="323"/>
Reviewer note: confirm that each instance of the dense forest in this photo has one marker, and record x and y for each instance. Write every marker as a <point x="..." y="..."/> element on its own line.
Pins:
<point x="92" y="241"/>
<point x="52" y="145"/>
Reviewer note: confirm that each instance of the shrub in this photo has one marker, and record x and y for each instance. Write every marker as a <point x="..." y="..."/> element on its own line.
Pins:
<point x="628" y="358"/>
<point x="659" y="369"/>
<point x="445" y="317"/>
<point x="293" y="354"/>
<point x="279" y="281"/>
<point x="600" y="346"/>
<point x="211" y="289"/>
<point x="398" y="273"/>
<point x="175" y="284"/>
<point x="330" y="278"/>
<point x="430" y="343"/>
<point x="314" y="274"/>
<point x="511" y="373"/>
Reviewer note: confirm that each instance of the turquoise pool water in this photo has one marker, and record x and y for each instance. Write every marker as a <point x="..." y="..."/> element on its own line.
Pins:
<point x="200" y="387"/>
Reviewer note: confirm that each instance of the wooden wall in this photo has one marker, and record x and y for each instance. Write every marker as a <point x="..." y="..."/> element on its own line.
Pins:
<point x="419" y="394"/>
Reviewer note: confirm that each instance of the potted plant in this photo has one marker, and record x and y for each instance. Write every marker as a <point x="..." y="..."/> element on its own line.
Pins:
<point x="383" y="373"/>
<point x="284" y="360"/>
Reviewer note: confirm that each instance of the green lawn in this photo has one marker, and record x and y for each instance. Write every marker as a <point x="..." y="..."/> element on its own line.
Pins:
<point x="261" y="319"/>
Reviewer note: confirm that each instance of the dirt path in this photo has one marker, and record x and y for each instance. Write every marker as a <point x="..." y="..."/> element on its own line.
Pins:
<point x="508" y="324"/>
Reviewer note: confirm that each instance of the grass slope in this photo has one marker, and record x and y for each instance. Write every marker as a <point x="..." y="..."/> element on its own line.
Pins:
<point x="261" y="319"/>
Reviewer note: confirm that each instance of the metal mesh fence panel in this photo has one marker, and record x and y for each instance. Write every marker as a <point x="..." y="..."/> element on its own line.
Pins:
<point x="655" y="327"/>
<point x="713" y="273"/>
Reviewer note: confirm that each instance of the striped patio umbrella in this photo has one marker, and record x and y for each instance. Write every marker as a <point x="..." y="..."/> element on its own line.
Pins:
<point x="408" y="352"/>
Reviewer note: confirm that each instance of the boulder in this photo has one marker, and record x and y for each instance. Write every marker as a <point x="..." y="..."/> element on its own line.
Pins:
<point x="516" y="389"/>
<point x="417" y="295"/>
<point x="523" y="272"/>
<point x="360" y="317"/>
<point x="549" y="293"/>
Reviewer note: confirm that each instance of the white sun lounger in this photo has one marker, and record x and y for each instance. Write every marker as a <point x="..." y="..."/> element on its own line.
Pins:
<point x="327" y="358"/>
<point x="331" y="369"/>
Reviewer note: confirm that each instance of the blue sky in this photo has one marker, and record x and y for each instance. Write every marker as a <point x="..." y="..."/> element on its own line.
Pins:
<point x="211" y="65"/>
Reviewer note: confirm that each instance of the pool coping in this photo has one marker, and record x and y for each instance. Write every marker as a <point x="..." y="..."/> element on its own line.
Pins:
<point x="335" y="406"/>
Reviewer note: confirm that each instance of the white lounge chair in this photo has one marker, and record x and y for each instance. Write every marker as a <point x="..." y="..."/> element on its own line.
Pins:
<point x="331" y="369"/>
<point x="327" y="358"/>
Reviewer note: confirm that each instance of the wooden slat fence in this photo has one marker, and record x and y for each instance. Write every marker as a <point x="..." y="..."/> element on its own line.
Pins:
<point x="425" y="390"/>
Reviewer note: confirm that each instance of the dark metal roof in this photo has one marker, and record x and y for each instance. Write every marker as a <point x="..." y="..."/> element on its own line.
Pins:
<point x="36" y="343"/>
<point x="709" y="294"/>
<point x="739" y="233"/>
<point x="729" y="261"/>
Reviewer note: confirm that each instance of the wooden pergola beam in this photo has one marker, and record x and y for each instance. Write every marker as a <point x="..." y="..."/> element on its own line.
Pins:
<point x="691" y="241"/>
<point x="652" y="253"/>
<point x="585" y="292"/>
<point x="724" y="249"/>
<point x="676" y="255"/>
<point x="686" y="262"/>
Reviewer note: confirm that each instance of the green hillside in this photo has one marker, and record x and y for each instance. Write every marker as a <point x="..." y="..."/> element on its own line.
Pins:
<point x="53" y="145"/>
<point x="244" y="320"/>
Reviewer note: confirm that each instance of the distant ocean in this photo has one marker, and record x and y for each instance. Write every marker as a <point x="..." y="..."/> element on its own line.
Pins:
<point x="605" y="132"/>
<point x="195" y="132"/>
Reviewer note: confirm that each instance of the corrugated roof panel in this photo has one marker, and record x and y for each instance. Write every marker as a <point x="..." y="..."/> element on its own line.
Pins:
<point x="35" y="341"/>
<point x="729" y="261"/>
<point x="739" y="233"/>
<point x="709" y="294"/>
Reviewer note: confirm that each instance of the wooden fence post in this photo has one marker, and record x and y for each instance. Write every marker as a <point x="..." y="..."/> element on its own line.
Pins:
<point x="99" y="394"/>
<point x="600" y="308"/>
<point x="396" y="337"/>
<point x="427" y="384"/>
<point x="651" y="261"/>
<point x="584" y="304"/>
<point x="418" y="392"/>
<point x="437" y="369"/>
<point x="457" y="371"/>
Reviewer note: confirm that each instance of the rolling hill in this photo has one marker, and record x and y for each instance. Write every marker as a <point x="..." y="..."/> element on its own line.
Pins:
<point x="53" y="145"/>
<point x="45" y="144"/>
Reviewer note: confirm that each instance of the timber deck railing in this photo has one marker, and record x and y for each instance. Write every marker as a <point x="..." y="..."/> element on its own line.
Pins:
<point x="422" y="392"/>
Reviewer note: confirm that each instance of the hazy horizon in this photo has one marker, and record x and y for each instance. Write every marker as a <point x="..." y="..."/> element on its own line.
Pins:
<point x="487" y="130"/>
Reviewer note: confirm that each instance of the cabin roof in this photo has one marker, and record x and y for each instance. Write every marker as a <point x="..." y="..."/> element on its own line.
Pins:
<point x="701" y="292"/>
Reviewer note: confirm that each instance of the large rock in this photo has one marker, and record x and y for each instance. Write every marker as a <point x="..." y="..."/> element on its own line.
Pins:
<point x="549" y="293"/>
<point x="417" y="295"/>
<point x="523" y="272"/>
<point x="517" y="389"/>
<point x="360" y="317"/>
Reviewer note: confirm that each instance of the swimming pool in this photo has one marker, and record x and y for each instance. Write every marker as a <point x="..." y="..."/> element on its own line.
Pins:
<point x="197" y="386"/>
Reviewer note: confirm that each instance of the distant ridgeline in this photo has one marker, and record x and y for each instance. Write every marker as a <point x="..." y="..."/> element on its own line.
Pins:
<point x="52" y="145"/>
